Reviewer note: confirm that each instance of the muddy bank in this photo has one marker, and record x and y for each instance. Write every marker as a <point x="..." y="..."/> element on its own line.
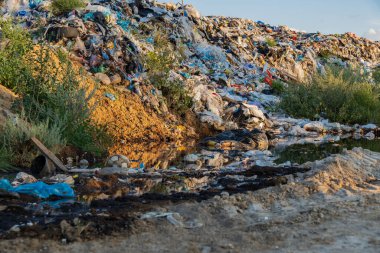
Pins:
<point x="333" y="207"/>
<point x="114" y="203"/>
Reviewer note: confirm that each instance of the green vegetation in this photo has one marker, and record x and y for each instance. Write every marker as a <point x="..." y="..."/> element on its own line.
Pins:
<point x="53" y="105"/>
<point x="278" y="87"/>
<point x="16" y="135"/>
<point x="15" y="44"/>
<point x="341" y="95"/>
<point x="63" y="6"/>
<point x="376" y="75"/>
<point x="159" y="63"/>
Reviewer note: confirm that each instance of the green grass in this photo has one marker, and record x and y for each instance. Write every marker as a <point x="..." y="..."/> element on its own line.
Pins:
<point x="341" y="95"/>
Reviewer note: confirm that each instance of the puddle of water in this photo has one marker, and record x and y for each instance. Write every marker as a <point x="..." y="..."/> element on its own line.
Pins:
<point x="302" y="153"/>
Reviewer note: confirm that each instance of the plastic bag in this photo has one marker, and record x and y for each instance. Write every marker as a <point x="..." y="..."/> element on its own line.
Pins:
<point x="39" y="189"/>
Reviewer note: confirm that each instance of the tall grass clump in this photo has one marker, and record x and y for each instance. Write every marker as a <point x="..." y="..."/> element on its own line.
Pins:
<point x="341" y="95"/>
<point x="15" y="140"/>
<point x="53" y="103"/>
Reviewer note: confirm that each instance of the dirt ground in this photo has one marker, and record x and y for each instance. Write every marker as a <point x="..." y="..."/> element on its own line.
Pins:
<point x="334" y="207"/>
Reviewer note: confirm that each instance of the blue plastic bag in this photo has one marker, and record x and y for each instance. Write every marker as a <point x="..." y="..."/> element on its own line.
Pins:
<point x="39" y="189"/>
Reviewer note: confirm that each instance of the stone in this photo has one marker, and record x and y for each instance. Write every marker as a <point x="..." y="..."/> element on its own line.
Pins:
<point x="103" y="78"/>
<point x="115" y="79"/>
<point x="83" y="164"/>
<point x="120" y="161"/>
<point x="314" y="127"/>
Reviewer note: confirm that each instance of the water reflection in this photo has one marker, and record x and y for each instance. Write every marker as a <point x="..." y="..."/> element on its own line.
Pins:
<point x="301" y="153"/>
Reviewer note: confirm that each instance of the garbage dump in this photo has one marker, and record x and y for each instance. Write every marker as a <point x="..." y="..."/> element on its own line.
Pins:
<point x="225" y="143"/>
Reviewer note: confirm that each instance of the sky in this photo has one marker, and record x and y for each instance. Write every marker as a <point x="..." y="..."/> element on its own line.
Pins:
<point x="327" y="16"/>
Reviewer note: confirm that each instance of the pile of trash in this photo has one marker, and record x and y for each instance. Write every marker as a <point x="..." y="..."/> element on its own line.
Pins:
<point x="228" y="69"/>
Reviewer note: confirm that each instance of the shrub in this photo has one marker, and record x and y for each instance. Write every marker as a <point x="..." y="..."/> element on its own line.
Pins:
<point x="54" y="93"/>
<point x="52" y="101"/>
<point x="15" y="136"/>
<point x="376" y="75"/>
<point x="159" y="63"/>
<point x="341" y="95"/>
<point x="65" y="6"/>
<point x="278" y="87"/>
<point x="14" y="45"/>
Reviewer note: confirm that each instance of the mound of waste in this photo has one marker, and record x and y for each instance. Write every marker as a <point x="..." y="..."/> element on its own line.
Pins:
<point x="226" y="66"/>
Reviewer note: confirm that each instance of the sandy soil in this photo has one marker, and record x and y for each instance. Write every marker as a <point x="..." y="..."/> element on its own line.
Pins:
<point x="333" y="208"/>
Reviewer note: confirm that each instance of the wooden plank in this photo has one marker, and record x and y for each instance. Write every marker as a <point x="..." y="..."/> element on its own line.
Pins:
<point x="46" y="152"/>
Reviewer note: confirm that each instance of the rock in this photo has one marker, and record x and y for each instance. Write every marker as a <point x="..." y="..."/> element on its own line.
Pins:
<point x="115" y="79"/>
<point x="83" y="164"/>
<point x="120" y="161"/>
<point x="103" y="78"/>
<point x="314" y="127"/>
<point x="213" y="159"/>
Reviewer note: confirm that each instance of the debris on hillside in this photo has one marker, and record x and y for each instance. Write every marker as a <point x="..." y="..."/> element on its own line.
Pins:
<point x="223" y="142"/>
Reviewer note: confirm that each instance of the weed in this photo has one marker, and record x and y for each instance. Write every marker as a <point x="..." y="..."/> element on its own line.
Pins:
<point x="341" y="95"/>
<point x="53" y="103"/>
<point x="5" y="157"/>
<point x="159" y="63"/>
<point x="14" y="45"/>
<point x="376" y="75"/>
<point x="64" y="6"/>
<point x="16" y="134"/>
<point x="278" y="87"/>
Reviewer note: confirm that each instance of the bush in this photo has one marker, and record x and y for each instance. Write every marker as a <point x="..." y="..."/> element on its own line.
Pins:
<point x="65" y="6"/>
<point x="376" y="75"/>
<point x="15" y="139"/>
<point x="341" y="95"/>
<point x="53" y="102"/>
<point x="278" y="87"/>
<point x="54" y="93"/>
<point x="159" y="63"/>
<point x="14" y="45"/>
